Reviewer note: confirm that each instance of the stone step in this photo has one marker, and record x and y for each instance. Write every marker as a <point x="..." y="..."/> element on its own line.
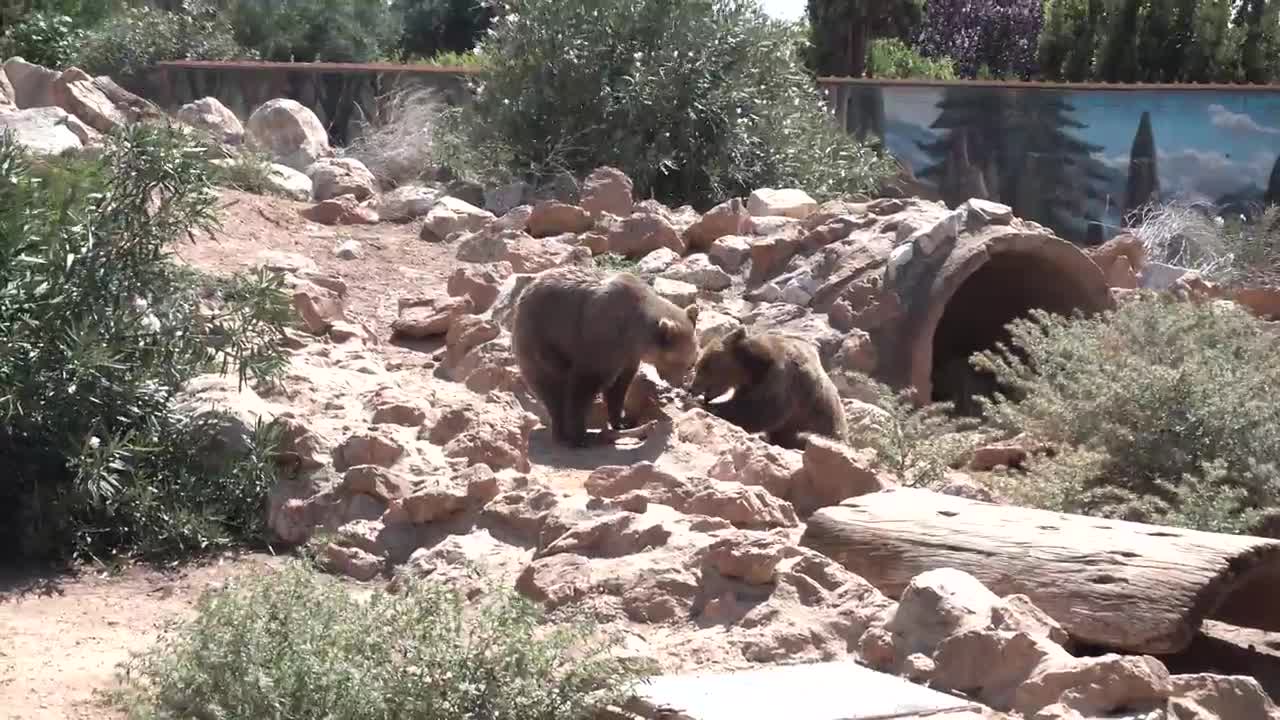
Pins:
<point x="841" y="690"/>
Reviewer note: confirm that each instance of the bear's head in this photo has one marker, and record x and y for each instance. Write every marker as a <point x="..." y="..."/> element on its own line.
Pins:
<point x="676" y="349"/>
<point x="720" y="367"/>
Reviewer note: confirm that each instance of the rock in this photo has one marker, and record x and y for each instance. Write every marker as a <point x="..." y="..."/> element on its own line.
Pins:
<point x="367" y="448"/>
<point x="596" y="242"/>
<point x="32" y="84"/>
<point x="504" y="307"/>
<point x="527" y="255"/>
<point x="427" y="317"/>
<point x="1095" y="686"/>
<point x="348" y="250"/>
<point x="450" y="496"/>
<point x="979" y="212"/>
<point x="486" y="245"/>
<point x="728" y="218"/>
<point x="332" y="177"/>
<point x="833" y="472"/>
<point x="235" y="410"/>
<point x="752" y="508"/>
<point x="1263" y="302"/>
<point x="289" y="132"/>
<point x="769" y="255"/>
<point x="352" y="562"/>
<point x="1210" y="697"/>
<point x="642" y="233"/>
<point x="210" y="115"/>
<point x="680" y="293"/>
<point x="466" y="333"/>
<point x="318" y="307"/>
<point x="943" y="233"/>
<point x="774" y="224"/>
<point x="407" y="202"/>
<point x="607" y="191"/>
<point x="391" y="408"/>
<point x="341" y="210"/>
<point x="1121" y="274"/>
<point x="135" y="108"/>
<point x="75" y="92"/>
<point x="751" y="558"/>
<point x="516" y="219"/>
<point x="480" y="283"/>
<point x="1123" y="245"/>
<point x="656" y="261"/>
<point x="497" y="435"/>
<point x="501" y="200"/>
<point x="938" y="604"/>
<point x="451" y="215"/>
<point x="789" y="202"/>
<point x="561" y="186"/>
<point x="374" y="481"/>
<point x="554" y="218"/>
<point x="290" y="183"/>
<point x="697" y="270"/>
<point x="745" y="459"/>
<point x="299" y="443"/>
<point x="712" y="324"/>
<point x="44" y="131"/>
<point x="731" y="252"/>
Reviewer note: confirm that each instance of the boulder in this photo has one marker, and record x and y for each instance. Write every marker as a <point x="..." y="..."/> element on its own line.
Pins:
<point x="642" y="233"/>
<point x="480" y="283"/>
<point x="728" y="218"/>
<point x="451" y="215"/>
<point x="427" y="317"/>
<point x="7" y="103"/>
<point x="787" y="202"/>
<point x="332" y="177"/>
<point x="656" y="261"/>
<point x="290" y="132"/>
<point x="730" y="252"/>
<point x="607" y="191"/>
<point x="76" y="92"/>
<point x="341" y="210"/>
<point x="43" y="130"/>
<point x="555" y="218"/>
<point x="367" y="447"/>
<point x="699" y="271"/>
<point x="290" y="183"/>
<point x="407" y="202"/>
<point x="32" y="84"/>
<point x="528" y="255"/>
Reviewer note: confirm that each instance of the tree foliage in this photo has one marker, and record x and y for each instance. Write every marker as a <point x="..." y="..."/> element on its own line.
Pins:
<point x="434" y="27"/>
<point x="697" y="100"/>
<point x="994" y="37"/>
<point x="842" y="32"/>
<point x="316" y="30"/>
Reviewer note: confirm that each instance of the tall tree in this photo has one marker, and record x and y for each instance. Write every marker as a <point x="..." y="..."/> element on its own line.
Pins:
<point x="1273" y="185"/>
<point x="1143" y="185"/>
<point x="841" y="31"/>
<point x="999" y="36"/>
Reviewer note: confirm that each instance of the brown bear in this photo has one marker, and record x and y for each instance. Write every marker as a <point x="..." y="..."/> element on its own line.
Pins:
<point x="578" y="332"/>
<point x="779" y="387"/>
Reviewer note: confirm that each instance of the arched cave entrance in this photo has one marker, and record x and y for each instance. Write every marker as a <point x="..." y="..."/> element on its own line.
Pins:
<point x="1008" y="285"/>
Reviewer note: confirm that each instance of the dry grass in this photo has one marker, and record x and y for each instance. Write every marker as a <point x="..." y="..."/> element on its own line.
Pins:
<point x="397" y="145"/>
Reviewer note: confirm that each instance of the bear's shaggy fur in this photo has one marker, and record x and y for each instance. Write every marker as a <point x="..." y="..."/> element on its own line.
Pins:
<point x="779" y="387"/>
<point x="578" y="332"/>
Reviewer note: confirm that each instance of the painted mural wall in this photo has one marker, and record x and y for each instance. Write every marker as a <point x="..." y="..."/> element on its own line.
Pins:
<point x="1066" y="157"/>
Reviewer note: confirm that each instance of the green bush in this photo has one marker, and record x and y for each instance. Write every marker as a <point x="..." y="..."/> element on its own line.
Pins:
<point x="915" y="444"/>
<point x="296" y="645"/>
<point x="1160" y="411"/>
<point x="892" y="59"/>
<point x="98" y="331"/>
<point x="47" y="39"/>
<point x="129" y="42"/>
<point x="697" y="100"/>
<point x="316" y="30"/>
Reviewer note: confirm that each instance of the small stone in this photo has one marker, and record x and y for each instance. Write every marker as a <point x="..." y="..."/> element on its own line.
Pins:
<point x="348" y="250"/>
<point x="680" y="293"/>
<point x="656" y="261"/>
<point x="451" y="215"/>
<point x="332" y="177"/>
<point x="979" y="212"/>
<point x="787" y="202"/>
<point x="731" y="252"/>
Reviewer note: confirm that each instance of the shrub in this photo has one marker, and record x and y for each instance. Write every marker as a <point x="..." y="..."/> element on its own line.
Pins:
<point x="250" y="172"/>
<point x="696" y="100"/>
<point x="915" y="444"/>
<point x="398" y="145"/>
<point x="128" y="43"/>
<point x="432" y="27"/>
<point x="316" y="30"/>
<point x="998" y="35"/>
<point x="98" y="331"/>
<point x="47" y="39"/>
<point x="296" y="644"/>
<point x="1228" y="249"/>
<point x="1161" y="411"/>
<point x="892" y="59"/>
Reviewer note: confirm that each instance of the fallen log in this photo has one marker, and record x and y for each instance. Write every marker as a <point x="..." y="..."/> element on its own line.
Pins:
<point x="1122" y="585"/>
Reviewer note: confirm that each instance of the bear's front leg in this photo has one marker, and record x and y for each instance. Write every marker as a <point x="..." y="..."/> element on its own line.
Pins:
<point x="615" y="399"/>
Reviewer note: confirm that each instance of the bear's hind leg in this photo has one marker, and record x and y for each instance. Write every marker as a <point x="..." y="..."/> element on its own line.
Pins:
<point x="580" y="390"/>
<point x="615" y="399"/>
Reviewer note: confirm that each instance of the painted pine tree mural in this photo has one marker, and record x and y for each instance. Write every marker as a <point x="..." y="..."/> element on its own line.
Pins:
<point x="1021" y="142"/>
<point x="1143" y="185"/>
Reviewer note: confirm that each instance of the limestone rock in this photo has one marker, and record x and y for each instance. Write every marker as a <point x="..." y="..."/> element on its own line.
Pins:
<point x="496" y="435"/>
<point x="210" y="115"/>
<point x="76" y="92"/>
<point x="656" y="261"/>
<point x="32" y="84"/>
<point x="352" y="562"/>
<point x="431" y="316"/>
<point x="698" y="270"/>
<point x="341" y="210"/>
<point x="731" y="252"/>
<point x="370" y="447"/>
<point x="480" y="283"/>
<point x="43" y="130"/>
<point x="319" y="307"/>
<point x="1213" y="697"/>
<point x="834" y="472"/>
<point x="407" y="202"/>
<point x="290" y="183"/>
<point x="787" y="202"/>
<point x="290" y="132"/>
<point x="527" y="255"/>
<point x="642" y="233"/>
<point x="607" y="191"/>
<point x="728" y="218"/>
<point x="451" y="215"/>
<point x="554" y="218"/>
<point x="7" y="103"/>
<point x="332" y="177"/>
<point x="680" y="293"/>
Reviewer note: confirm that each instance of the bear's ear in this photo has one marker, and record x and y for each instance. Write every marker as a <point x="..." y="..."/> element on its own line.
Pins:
<point x="667" y="330"/>
<point x="692" y="313"/>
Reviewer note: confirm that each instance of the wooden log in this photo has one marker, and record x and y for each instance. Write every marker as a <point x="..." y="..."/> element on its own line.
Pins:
<point x="1123" y="585"/>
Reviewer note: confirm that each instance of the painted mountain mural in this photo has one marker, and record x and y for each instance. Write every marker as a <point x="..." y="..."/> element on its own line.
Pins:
<point x="1069" y="158"/>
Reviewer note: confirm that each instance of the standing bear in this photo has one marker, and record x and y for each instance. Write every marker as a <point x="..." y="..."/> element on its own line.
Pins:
<point x="779" y="387"/>
<point x="577" y="333"/>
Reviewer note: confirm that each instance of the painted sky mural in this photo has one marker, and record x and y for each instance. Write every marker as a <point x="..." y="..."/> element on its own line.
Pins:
<point x="1065" y="157"/>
